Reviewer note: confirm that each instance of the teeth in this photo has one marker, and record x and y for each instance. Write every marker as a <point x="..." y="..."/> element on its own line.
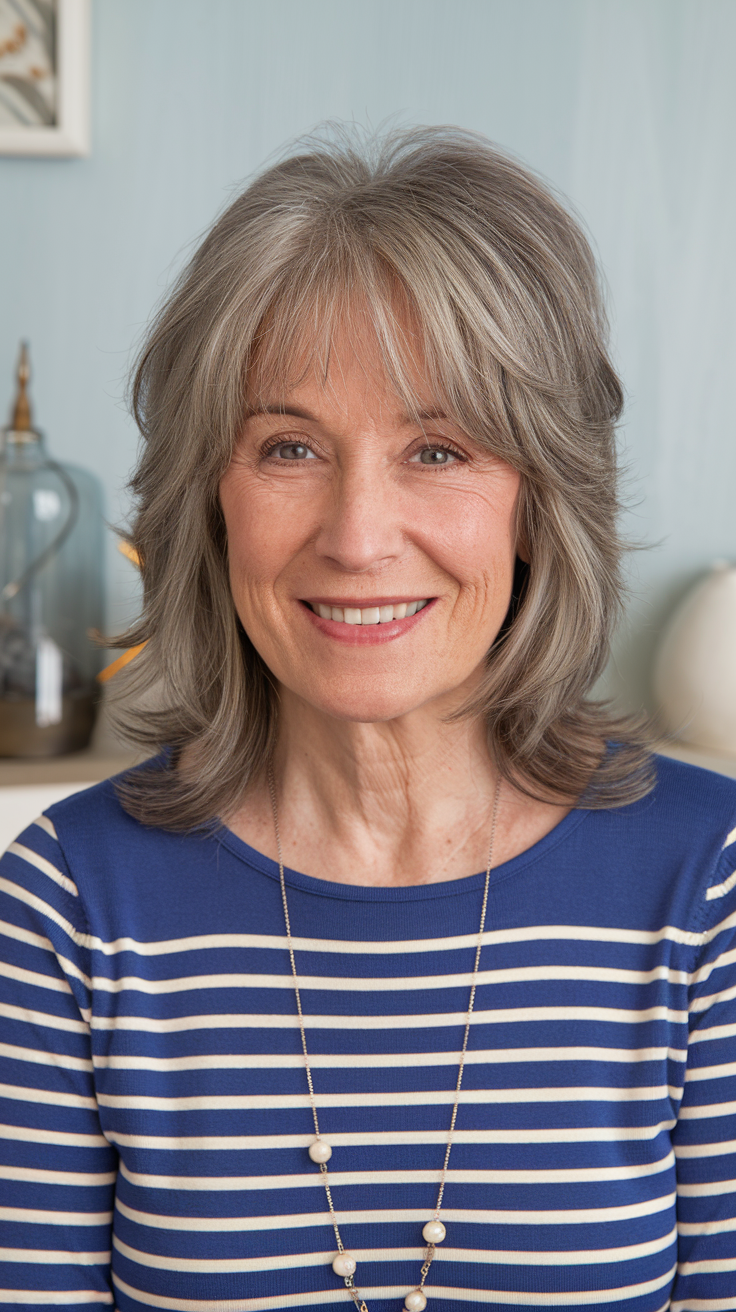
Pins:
<point x="368" y="614"/>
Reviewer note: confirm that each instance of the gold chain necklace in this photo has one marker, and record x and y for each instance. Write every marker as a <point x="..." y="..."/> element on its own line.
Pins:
<point x="320" y="1151"/>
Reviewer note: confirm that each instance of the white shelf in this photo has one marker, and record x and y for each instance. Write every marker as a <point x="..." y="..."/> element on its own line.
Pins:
<point x="80" y="769"/>
<point x="107" y="755"/>
<point x="708" y="760"/>
<point x="28" y="787"/>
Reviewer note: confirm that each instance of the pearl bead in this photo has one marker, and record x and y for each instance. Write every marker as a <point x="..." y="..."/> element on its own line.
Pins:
<point x="415" y="1302"/>
<point x="344" y="1265"/>
<point x="319" y="1151"/>
<point x="434" y="1232"/>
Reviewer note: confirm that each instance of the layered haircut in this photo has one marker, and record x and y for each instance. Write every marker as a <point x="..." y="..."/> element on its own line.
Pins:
<point x="437" y="228"/>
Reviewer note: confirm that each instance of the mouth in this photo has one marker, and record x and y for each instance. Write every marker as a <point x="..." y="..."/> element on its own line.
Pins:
<point x="367" y="615"/>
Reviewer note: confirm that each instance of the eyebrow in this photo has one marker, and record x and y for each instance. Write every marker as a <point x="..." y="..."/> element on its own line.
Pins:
<point x="297" y="412"/>
<point x="430" y="416"/>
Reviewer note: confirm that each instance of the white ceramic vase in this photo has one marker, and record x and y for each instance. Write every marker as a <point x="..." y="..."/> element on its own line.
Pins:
<point x="695" y="669"/>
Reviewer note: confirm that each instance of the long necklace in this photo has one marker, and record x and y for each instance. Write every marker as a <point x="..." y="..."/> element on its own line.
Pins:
<point x="320" y="1152"/>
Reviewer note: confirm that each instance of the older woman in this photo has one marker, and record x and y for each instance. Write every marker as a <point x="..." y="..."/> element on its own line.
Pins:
<point x="270" y="1039"/>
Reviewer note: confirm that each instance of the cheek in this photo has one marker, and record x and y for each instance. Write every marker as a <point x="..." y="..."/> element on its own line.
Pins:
<point x="474" y="540"/>
<point x="259" y="539"/>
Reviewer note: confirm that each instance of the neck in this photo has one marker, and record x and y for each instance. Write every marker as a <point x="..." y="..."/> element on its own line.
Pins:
<point x="410" y="799"/>
<point x="403" y="802"/>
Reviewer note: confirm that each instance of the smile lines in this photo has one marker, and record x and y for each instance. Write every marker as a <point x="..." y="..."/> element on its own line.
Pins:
<point x="367" y="614"/>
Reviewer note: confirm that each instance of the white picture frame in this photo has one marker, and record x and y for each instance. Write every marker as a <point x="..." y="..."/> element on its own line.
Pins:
<point x="70" y="133"/>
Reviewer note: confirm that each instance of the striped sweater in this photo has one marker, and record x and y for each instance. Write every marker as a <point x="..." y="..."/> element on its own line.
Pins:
<point x="154" y="1100"/>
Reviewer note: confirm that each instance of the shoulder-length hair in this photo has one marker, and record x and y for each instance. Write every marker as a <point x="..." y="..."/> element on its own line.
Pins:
<point x="502" y="290"/>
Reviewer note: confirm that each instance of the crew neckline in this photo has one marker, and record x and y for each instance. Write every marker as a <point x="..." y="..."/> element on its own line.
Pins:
<point x="406" y="892"/>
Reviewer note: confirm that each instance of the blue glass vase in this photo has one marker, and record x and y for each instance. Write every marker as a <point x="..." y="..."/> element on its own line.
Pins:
<point x="51" y="593"/>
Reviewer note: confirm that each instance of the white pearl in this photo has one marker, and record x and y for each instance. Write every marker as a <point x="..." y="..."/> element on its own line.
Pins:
<point x="434" y="1232"/>
<point x="344" y="1265"/>
<point x="415" y="1302"/>
<point x="319" y="1151"/>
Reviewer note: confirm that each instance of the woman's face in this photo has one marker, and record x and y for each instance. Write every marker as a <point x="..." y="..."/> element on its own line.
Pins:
<point x="371" y="557"/>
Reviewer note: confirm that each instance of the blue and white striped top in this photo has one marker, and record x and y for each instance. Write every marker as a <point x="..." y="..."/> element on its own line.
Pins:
<point x="154" y="1099"/>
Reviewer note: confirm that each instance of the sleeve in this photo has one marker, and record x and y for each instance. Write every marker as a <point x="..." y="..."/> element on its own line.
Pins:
<point x="705" y="1136"/>
<point x="57" y="1171"/>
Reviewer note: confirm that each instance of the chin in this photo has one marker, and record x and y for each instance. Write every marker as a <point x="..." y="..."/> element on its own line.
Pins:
<point x="361" y="706"/>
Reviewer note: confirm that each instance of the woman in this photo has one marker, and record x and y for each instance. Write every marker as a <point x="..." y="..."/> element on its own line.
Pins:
<point x="271" y="1040"/>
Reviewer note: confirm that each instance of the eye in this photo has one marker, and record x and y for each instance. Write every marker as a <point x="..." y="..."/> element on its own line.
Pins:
<point x="437" y="457"/>
<point x="289" y="451"/>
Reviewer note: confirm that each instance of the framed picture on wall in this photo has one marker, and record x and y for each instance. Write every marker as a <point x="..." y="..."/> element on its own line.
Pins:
<point x="44" y="77"/>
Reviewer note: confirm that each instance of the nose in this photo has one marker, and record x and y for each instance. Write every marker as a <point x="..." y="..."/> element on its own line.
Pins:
<point x="360" y="528"/>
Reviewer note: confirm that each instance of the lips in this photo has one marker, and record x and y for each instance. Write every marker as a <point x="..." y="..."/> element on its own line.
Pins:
<point x="366" y="615"/>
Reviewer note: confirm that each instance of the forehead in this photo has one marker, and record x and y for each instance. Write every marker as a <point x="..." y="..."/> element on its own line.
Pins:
<point x="353" y="386"/>
<point x="351" y="353"/>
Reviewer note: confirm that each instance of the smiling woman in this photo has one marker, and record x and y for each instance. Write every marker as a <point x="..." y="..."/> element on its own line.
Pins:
<point x="462" y="300"/>
<point x="339" y="506"/>
<point x="402" y="973"/>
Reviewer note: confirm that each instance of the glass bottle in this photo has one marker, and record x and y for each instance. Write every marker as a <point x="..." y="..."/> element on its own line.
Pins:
<point x="51" y="592"/>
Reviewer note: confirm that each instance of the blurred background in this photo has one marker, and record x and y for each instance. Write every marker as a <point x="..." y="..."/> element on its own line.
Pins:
<point x="628" y="107"/>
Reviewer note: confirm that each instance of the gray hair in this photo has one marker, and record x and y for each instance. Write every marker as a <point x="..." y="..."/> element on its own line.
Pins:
<point x="501" y="285"/>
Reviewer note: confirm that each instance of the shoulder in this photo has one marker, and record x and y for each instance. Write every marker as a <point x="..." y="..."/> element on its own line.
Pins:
<point x="678" y="782"/>
<point x="94" y="822"/>
<point x="667" y="852"/>
<point x="694" y="812"/>
<point x="688" y="808"/>
<point x="105" y="847"/>
<point x="128" y="878"/>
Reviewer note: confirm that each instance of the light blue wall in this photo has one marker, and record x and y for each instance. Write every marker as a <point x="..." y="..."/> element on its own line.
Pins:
<point x="629" y="106"/>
